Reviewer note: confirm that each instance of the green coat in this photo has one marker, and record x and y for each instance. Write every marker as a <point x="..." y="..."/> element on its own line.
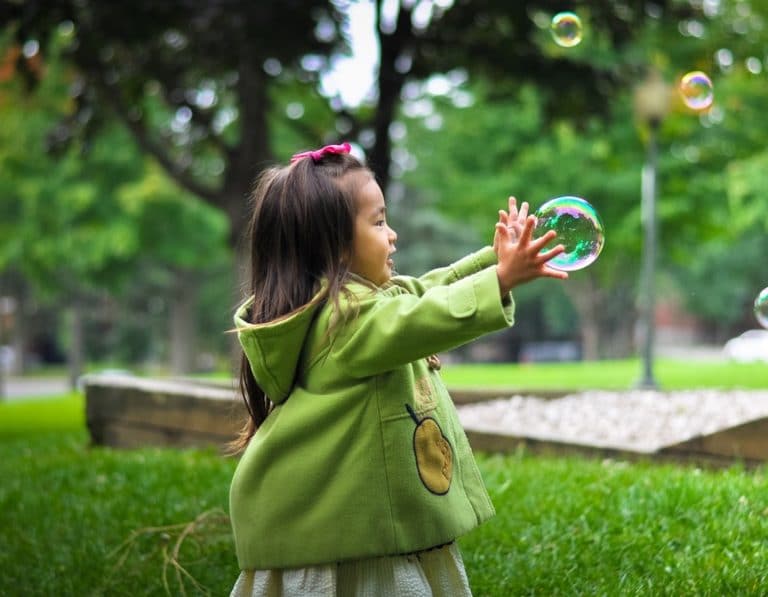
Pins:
<point x="363" y="455"/>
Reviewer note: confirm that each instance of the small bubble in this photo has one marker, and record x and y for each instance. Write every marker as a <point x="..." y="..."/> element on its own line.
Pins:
<point x="566" y="29"/>
<point x="754" y="65"/>
<point x="30" y="48"/>
<point x="696" y="90"/>
<point x="761" y="308"/>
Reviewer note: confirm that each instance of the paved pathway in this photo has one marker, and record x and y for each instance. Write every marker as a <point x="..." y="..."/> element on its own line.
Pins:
<point x="19" y="388"/>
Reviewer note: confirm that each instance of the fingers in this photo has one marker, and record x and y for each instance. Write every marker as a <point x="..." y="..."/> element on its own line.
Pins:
<point x="549" y="272"/>
<point x="518" y="214"/>
<point x="503" y="230"/>
<point x="523" y="213"/>
<point x="516" y="230"/>
<point x="512" y="208"/>
<point x="542" y="241"/>
<point x="545" y="256"/>
<point x="527" y="230"/>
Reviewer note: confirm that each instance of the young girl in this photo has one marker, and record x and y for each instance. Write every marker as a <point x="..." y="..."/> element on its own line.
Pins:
<point x="357" y="476"/>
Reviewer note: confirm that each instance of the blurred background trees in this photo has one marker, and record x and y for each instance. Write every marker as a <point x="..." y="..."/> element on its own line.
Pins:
<point x="132" y="133"/>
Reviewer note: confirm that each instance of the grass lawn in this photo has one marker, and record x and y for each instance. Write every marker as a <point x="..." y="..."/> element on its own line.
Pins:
<point x="66" y="509"/>
<point x="40" y="414"/>
<point x="606" y="375"/>
<point x="671" y="374"/>
<point x="77" y="520"/>
<point x="82" y="520"/>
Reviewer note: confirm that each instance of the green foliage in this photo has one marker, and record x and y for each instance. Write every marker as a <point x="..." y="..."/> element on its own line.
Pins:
<point x="426" y="239"/>
<point x="738" y="266"/>
<point x="87" y="216"/>
<point x="540" y="141"/>
<point x="94" y="220"/>
<point x="747" y="200"/>
<point x="220" y="97"/>
<point x="174" y="228"/>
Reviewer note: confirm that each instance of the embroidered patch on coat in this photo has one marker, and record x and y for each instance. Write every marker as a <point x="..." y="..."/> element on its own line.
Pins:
<point x="434" y="456"/>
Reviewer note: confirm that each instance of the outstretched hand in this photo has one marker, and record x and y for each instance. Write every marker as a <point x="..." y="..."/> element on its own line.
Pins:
<point x="514" y="220"/>
<point x="520" y="257"/>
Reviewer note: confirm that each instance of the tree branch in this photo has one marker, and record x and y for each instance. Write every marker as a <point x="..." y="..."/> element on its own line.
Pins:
<point x="150" y="146"/>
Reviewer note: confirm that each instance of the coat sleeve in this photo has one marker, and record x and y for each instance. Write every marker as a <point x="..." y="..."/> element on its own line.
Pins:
<point x="466" y="266"/>
<point x="392" y="328"/>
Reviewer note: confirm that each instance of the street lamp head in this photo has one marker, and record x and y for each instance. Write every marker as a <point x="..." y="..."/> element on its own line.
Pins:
<point x="653" y="98"/>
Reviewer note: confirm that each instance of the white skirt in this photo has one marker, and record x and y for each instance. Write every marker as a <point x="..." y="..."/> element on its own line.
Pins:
<point x="434" y="573"/>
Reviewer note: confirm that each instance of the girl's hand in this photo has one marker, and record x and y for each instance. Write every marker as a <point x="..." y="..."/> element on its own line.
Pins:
<point x="520" y="259"/>
<point x="514" y="220"/>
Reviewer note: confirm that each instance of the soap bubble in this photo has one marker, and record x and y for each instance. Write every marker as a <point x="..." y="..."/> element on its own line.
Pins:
<point x="579" y="229"/>
<point x="566" y="29"/>
<point x="696" y="90"/>
<point x="761" y="308"/>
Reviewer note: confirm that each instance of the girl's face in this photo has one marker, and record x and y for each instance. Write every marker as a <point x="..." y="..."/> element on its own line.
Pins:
<point x="374" y="241"/>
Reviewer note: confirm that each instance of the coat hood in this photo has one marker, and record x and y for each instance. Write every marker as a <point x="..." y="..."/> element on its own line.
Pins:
<point x="273" y="349"/>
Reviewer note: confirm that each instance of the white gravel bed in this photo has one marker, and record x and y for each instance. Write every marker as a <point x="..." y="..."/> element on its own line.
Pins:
<point x="633" y="420"/>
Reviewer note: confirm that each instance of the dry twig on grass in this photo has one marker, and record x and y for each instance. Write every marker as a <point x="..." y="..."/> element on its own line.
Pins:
<point x="206" y="524"/>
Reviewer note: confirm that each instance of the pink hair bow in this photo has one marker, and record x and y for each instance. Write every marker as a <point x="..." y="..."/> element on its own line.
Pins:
<point x="319" y="153"/>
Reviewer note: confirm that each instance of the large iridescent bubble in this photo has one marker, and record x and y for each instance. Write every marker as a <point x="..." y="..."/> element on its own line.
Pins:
<point x="579" y="229"/>
<point x="696" y="90"/>
<point x="566" y="29"/>
<point x="761" y="308"/>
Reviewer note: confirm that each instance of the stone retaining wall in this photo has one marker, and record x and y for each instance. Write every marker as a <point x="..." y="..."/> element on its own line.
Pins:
<point x="129" y="412"/>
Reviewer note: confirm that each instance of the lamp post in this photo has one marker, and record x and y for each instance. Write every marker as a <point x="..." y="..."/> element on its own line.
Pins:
<point x="652" y="102"/>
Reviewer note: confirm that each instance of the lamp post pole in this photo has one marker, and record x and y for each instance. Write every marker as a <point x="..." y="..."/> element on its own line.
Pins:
<point x="652" y="102"/>
<point x="648" y="211"/>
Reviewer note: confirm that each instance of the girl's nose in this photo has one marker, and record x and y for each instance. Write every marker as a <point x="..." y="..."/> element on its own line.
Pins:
<point x="392" y="235"/>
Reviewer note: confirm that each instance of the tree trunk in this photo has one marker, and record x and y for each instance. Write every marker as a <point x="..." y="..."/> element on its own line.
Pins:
<point x="606" y="316"/>
<point x="183" y="321"/>
<point x="76" y="348"/>
<point x="590" y="337"/>
<point x="586" y="300"/>
<point x="12" y="311"/>
<point x="19" y="337"/>
<point x="394" y="47"/>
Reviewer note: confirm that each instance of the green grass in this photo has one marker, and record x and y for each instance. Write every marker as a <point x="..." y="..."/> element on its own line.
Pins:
<point x="42" y="413"/>
<point x="567" y="526"/>
<point x="77" y="520"/>
<point x="81" y="520"/>
<point x="66" y="509"/>
<point x="671" y="374"/>
<point x="607" y="375"/>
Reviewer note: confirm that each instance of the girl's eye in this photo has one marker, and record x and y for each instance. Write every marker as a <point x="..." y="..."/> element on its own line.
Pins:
<point x="380" y="223"/>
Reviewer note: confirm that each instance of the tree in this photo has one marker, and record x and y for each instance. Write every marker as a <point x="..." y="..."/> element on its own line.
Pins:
<point x="78" y="223"/>
<point x="515" y="139"/>
<point x="202" y="85"/>
<point x="192" y="80"/>
<point x="475" y="168"/>
<point x="215" y="67"/>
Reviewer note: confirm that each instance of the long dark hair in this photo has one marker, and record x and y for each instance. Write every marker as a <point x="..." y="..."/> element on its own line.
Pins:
<point x="300" y="233"/>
